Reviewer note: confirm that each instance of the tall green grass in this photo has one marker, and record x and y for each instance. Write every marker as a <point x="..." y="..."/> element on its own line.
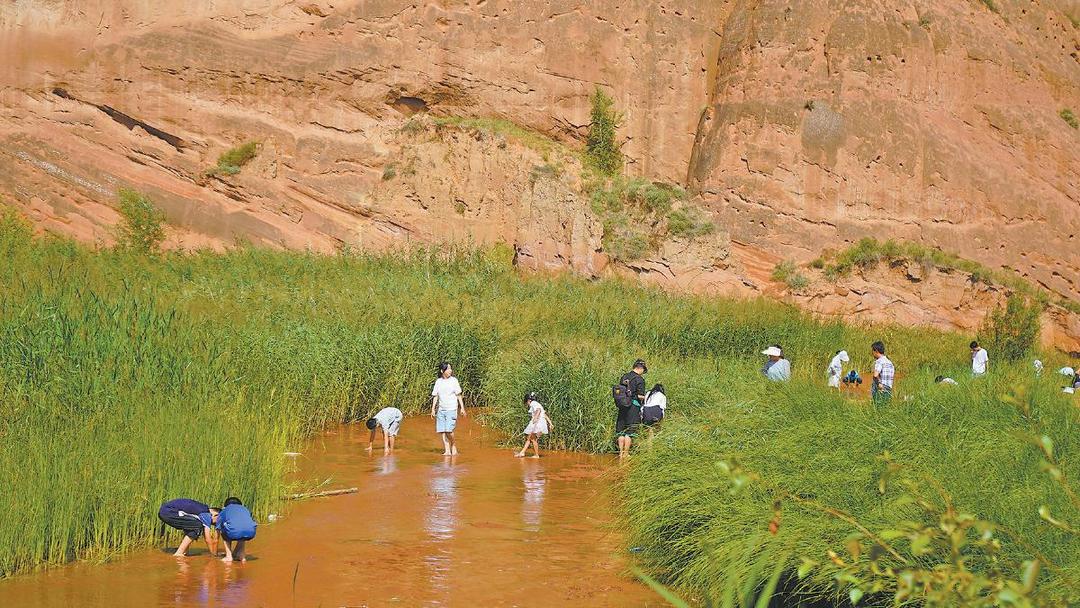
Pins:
<point x="128" y="379"/>
<point x="804" y="441"/>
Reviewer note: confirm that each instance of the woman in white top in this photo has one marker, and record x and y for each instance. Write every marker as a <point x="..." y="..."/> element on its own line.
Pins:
<point x="836" y="368"/>
<point x="445" y="403"/>
<point x="655" y="406"/>
<point x="539" y="424"/>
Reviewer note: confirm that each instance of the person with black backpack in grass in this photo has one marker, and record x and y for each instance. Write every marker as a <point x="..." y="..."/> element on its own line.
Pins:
<point x="629" y="395"/>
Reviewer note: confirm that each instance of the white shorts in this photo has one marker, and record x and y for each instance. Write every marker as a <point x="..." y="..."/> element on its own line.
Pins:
<point x="393" y="428"/>
<point x="834" y="381"/>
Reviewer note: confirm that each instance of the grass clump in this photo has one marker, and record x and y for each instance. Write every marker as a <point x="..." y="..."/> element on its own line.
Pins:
<point x="232" y="160"/>
<point x="990" y="4"/>
<point x="142" y="224"/>
<point x="869" y="253"/>
<point x="602" y="150"/>
<point x="639" y="215"/>
<point x="1069" y="118"/>
<point x="788" y="273"/>
<point x="534" y="140"/>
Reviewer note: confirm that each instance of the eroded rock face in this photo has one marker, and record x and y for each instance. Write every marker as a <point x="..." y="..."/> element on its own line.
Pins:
<point x="801" y="126"/>
<point x="935" y="122"/>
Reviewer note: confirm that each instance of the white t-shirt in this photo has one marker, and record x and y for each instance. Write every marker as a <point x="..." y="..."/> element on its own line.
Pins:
<point x="387" y="416"/>
<point x="447" y="389"/>
<point x="979" y="361"/>
<point x="656" y="400"/>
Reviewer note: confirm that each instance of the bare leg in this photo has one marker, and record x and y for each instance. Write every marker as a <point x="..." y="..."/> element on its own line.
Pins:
<point x="536" y="446"/>
<point x="181" y="551"/>
<point x="238" y="553"/>
<point x="392" y="438"/>
<point x="446" y="444"/>
<point x="453" y="446"/>
<point x="525" y="447"/>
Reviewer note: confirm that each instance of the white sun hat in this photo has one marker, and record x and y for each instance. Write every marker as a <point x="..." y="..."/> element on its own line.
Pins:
<point x="843" y="356"/>
<point x="1066" y="371"/>
<point x="772" y="351"/>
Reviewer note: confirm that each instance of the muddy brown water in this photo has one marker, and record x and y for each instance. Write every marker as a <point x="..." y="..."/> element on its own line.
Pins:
<point x="482" y="529"/>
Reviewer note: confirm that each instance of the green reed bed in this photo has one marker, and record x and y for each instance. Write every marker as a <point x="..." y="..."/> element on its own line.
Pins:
<point x="127" y="379"/>
<point x="800" y="449"/>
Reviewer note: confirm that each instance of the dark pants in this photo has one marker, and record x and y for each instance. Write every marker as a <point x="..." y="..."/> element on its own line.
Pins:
<point x="190" y="525"/>
<point x="626" y="423"/>
<point x="880" y="394"/>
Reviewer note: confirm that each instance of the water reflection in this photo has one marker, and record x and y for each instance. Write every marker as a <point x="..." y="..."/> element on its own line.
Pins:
<point x="533" y="501"/>
<point x="440" y="523"/>
<point x="388" y="465"/>
<point x="206" y="582"/>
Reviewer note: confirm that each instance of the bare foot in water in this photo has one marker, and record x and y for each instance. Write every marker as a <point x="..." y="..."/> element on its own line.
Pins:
<point x="454" y="452"/>
<point x="519" y="454"/>
<point x="535" y="456"/>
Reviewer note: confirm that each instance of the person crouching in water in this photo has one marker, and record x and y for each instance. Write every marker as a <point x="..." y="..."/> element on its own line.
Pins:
<point x="539" y="424"/>
<point x="236" y="526"/>
<point x="194" y="519"/>
<point x="389" y="418"/>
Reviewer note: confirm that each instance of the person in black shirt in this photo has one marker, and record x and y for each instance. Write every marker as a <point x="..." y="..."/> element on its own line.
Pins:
<point x="628" y="419"/>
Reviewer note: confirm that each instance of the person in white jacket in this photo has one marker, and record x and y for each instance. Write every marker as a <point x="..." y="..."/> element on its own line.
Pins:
<point x="836" y="368"/>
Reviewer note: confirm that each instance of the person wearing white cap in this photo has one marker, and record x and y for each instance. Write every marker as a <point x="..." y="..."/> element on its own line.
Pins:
<point x="836" y="368"/>
<point x="777" y="368"/>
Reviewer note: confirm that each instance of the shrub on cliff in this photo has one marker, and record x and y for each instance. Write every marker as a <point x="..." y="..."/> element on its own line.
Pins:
<point x="1012" y="330"/>
<point x="232" y="160"/>
<point x="602" y="152"/>
<point x="142" y="224"/>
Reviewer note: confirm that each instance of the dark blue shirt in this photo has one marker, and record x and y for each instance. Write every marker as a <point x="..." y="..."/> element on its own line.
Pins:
<point x="194" y="507"/>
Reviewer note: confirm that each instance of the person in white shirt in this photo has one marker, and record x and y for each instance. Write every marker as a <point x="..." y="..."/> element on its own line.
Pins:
<point x="979" y="359"/>
<point x="445" y="403"/>
<point x="389" y="418"/>
<point x="777" y="368"/>
<point x="655" y="406"/>
<point x="946" y="380"/>
<point x="836" y="368"/>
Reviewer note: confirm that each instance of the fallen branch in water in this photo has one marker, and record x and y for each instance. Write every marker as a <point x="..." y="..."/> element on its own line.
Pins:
<point x="326" y="493"/>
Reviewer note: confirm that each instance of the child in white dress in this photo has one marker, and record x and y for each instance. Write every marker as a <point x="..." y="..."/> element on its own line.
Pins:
<point x="539" y="424"/>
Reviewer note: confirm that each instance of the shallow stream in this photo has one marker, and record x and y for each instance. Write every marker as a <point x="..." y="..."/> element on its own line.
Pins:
<point x="481" y="529"/>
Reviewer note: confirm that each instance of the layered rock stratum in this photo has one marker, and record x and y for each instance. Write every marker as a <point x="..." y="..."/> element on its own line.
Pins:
<point x="801" y="126"/>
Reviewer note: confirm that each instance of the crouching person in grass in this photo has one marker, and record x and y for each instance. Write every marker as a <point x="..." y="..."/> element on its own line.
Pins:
<point x="237" y="526"/>
<point x="389" y="418"/>
<point x="194" y="519"/>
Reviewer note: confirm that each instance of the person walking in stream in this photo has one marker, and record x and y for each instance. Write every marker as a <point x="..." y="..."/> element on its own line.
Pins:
<point x="629" y="395"/>
<point x="446" y="402"/>
<point x="539" y="424"/>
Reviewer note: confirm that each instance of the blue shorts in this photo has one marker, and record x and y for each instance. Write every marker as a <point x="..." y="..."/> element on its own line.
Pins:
<point x="445" y="421"/>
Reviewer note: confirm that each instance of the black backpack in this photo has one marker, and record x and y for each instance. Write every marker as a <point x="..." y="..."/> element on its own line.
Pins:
<point x="621" y="394"/>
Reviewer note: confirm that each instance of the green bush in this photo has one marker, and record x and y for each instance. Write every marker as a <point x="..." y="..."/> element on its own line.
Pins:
<point x="1070" y="118"/>
<point x="602" y="150"/>
<point x="232" y="160"/>
<point x="783" y="270"/>
<point x="689" y="222"/>
<point x="1012" y="330"/>
<point x="142" y="224"/>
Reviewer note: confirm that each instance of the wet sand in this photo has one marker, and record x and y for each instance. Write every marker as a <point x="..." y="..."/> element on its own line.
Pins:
<point x="482" y="529"/>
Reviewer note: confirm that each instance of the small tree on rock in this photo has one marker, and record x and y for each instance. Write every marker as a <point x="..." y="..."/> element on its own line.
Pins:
<point x="602" y="151"/>
<point x="142" y="224"/>
<point x="1012" y="330"/>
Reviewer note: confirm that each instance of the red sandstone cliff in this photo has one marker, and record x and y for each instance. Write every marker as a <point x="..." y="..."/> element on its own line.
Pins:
<point x="801" y="126"/>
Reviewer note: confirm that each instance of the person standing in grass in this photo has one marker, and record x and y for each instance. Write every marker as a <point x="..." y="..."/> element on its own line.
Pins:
<point x="777" y="368"/>
<point x="836" y="368"/>
<point x="446" y="401"/>
<point x="881" y="388"/>
<point x="236" y="526"/>
<point x="629" y="396"/>
<point x="979" y="359"/>
<point x="194" y="519"/>
<point x="389" y="418"/>
<point x="539" y="424"/>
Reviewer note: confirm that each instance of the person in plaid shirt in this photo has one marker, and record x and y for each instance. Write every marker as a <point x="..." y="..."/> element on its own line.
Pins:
<point x="884" y="372"/>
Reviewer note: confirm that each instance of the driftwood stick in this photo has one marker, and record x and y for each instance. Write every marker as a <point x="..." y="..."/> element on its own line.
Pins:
<point x="325" y="493"/>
